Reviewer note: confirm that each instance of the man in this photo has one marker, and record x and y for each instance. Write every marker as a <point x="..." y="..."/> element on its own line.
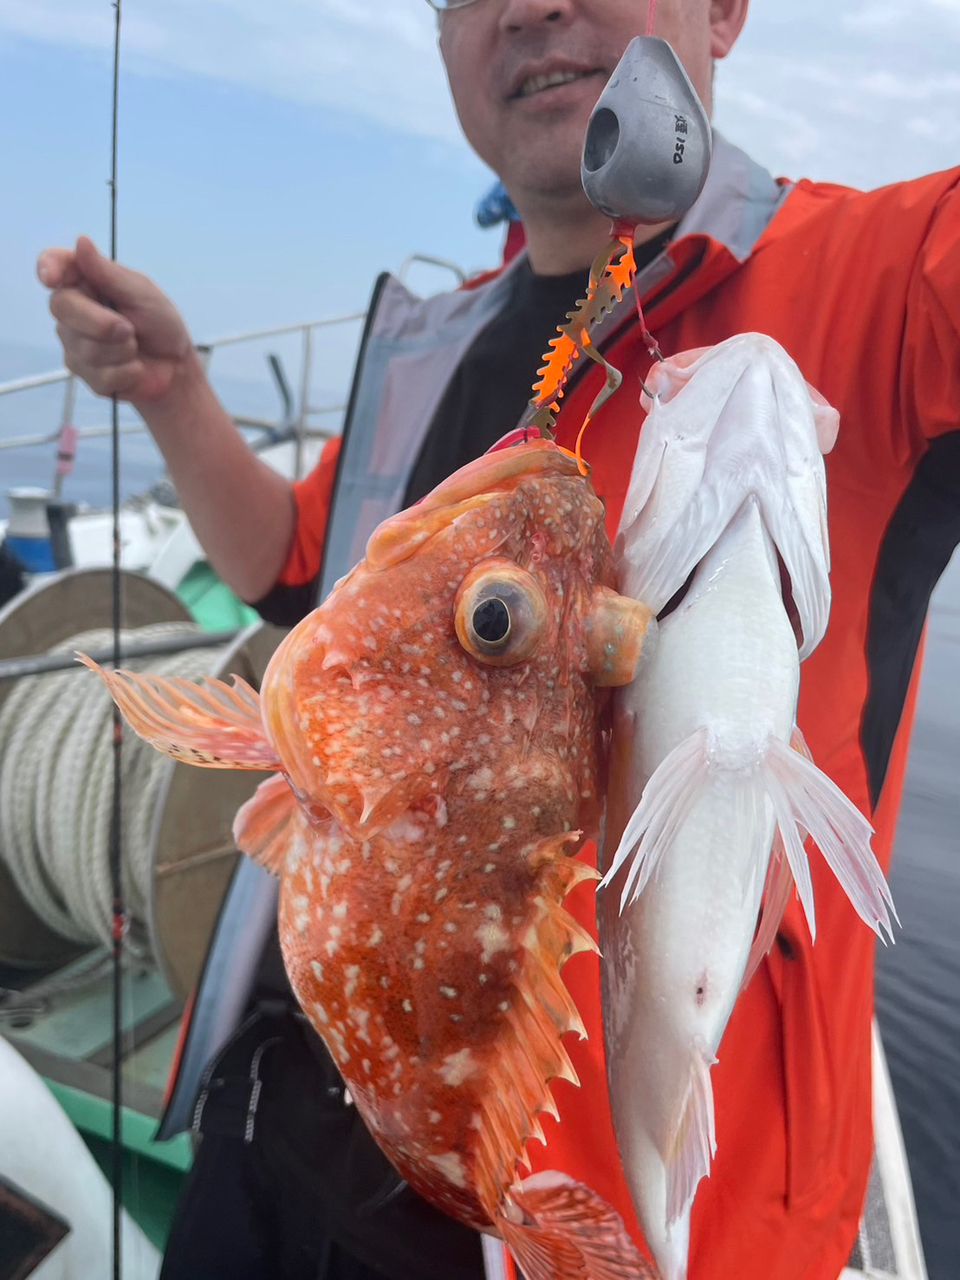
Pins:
<point x="864" y="291"/>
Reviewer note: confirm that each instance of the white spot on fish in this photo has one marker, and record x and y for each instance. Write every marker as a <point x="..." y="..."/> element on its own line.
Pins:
<point x="317" y="968"/>
<point x="407" y="1007"/>
<point x="376" y="937"/>
<point x="493" y="939"/>
<point x="340" y="910"/>
<point x="450" y="993"/>
<point x="352" y="974"/>
<point x="434" y="1117"/>
<point x="457" y="1067"/>
<point x="361" y="1017"/>
<point x="451" y="1166"/>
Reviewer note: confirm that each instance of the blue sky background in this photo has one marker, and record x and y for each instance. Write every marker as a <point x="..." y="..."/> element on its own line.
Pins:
<point x="275" y="157"/>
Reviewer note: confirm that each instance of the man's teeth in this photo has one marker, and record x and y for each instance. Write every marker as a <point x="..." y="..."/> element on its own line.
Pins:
<point x="534" y="84"/>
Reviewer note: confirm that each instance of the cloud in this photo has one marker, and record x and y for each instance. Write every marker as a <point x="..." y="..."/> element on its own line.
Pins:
<point x="378" y="62"/>
<point x="864" y="97"/>
<point x="857" y="91"/>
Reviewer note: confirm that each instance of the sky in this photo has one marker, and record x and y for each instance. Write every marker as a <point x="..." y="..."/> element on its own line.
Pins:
<point x="275" y="157"/>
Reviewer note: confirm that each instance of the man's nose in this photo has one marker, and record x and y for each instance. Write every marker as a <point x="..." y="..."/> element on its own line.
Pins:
<point x="518" y="15"/>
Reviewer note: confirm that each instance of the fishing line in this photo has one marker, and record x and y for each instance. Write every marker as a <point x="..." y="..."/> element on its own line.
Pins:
<point x="116" y="824"/>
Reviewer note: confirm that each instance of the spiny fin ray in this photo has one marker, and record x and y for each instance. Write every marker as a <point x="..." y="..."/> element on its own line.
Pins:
<point x="211" y="724"/>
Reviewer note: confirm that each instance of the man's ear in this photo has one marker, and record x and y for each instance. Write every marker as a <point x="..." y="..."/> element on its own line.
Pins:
<point x="726" y="22"/>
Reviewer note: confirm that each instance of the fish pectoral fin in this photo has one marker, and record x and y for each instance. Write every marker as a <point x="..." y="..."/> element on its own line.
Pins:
<point x="210" y="724"/>
<point x="776" y="896"/>
<point x="807" y="802"/>
<point x="567" y="1232"/>
<point x="666" y="801"/>
<point x="693" y="1143"/>
<point x="266" y="825"/>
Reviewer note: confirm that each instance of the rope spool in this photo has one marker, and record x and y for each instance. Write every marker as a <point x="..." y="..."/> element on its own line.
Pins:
<point x="56" y="788"/>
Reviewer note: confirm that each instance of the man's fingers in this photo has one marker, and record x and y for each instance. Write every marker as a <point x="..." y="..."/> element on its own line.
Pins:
<point x="117" y="284"/>
<point x="87" y="353"/>
<point x="78" y="312"/>
<point x="113" y="380"/>
<point x="57" y="268"/>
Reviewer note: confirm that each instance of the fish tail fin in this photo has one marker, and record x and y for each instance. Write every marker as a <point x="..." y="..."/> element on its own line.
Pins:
<point x="693" y="1143"/>
<point x="210" y="723"/>
<point x="807" y="802"/>
<point x="667" y="799"/>
<point x="558" y="1229"/>
<point x="265" y="826"/>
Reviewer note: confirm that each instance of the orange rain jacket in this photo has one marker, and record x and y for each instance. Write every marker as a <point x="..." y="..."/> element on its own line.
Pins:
<point x="863" y="290"/>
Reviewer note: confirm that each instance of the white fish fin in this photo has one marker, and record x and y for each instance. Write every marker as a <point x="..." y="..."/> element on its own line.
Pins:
<point x="693" y="1143"/>
<point x="666" y="801"/>
<point x="804" y="796"/>
<point x="776" y="896"/>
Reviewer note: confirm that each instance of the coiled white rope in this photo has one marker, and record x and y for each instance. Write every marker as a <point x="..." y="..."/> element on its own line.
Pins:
<point x="56" y="787"/>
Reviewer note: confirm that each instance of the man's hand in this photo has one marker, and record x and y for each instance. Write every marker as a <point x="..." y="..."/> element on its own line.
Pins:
<point x="120" y="333"/>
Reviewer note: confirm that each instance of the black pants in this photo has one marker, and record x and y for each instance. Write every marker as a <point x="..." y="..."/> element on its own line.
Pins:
<point x="287" y="1183"/>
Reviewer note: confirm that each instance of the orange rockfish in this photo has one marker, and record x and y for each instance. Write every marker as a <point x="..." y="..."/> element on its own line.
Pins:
<point x="436" y="730"/>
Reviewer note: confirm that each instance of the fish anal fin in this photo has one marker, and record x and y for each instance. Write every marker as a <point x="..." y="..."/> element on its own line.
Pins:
<point x="567" y="1232"/>
<point x="266" y="825"/>
<point x="693" y="1143"/>
<point x="210" y="723"/>
<point x="806" y="801"/>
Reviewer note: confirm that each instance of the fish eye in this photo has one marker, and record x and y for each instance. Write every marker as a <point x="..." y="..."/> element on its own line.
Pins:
<point x="500" y="613"/>
<point x="491" y="622"/>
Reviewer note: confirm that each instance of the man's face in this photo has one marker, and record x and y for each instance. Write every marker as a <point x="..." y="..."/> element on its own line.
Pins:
<point x="525" y="75"/>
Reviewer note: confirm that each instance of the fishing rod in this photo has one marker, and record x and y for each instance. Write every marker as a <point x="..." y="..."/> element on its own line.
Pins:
<point x="118" y="907"/>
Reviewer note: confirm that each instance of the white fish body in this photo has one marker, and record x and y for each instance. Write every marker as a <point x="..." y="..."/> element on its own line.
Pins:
<point x="703" y="771"/>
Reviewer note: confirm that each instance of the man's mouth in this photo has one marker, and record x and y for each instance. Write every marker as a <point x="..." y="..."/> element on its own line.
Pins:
<point x="535" y="84"/>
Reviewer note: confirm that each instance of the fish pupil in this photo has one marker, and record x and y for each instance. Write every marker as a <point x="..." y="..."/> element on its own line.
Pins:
<point x="491" y="621"/>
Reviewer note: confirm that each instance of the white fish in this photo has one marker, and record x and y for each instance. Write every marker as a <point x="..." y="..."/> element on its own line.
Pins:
<point x="707" y="765"/>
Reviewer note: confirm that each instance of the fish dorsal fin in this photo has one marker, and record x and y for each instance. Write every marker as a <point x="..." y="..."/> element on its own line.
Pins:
<point x="530" y="1053"/>
<point x="268" y="824"/>
<point x="210" y="724"/>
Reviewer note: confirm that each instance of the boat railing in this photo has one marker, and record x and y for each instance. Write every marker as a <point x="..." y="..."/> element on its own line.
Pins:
<point x="299" y="420"/>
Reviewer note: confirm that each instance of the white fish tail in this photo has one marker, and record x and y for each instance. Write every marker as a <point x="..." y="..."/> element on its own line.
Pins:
<point x="693" y="1143"/>
<point x="806" y="801"/>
